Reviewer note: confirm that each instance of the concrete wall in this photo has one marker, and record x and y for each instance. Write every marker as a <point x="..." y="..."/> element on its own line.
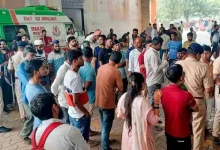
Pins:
<point x="121" y="15"/>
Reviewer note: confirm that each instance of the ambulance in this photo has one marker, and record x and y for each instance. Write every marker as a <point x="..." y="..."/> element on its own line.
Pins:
<point x="31" y="20"/>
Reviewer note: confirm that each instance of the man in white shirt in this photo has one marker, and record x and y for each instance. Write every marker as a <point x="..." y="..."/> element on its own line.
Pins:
<point x="166" y="40"/>
<point x="154" y="67"/>
<point x="134" y="54"/>
<point x="154" y="31"/>
<point x="78" y="109"/>
<point x="64" y="136"/>
<point x="58" y="89"/>
<point x="194" y="34"/>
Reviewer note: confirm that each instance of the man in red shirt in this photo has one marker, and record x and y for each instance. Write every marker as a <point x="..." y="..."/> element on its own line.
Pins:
<point x="178" y="106"/>
<point x="141" y="58"/>
<point x="47" y="42"/>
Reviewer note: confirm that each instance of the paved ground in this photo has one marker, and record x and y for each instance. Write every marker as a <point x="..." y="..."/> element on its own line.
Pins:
<point x="12" y="141"/>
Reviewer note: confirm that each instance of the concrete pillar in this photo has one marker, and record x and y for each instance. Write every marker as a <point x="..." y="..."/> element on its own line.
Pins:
<point x="145" y="14"/>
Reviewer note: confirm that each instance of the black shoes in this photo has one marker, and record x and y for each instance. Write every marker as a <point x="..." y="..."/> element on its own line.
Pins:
<point x="216" y="140"/>
<point x="4" y="129"/>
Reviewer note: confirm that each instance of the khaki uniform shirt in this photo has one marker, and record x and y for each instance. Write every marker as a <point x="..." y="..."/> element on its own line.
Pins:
<point x="197" y="77"/>
<point x="210" y="71"/>
<point x="15" y="61"/>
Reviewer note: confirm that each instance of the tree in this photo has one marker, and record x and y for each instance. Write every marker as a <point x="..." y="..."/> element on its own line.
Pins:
<point x="175" y="9"/>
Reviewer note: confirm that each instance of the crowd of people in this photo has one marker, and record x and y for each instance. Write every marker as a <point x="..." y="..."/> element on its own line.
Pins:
<point x="57" y="91"/>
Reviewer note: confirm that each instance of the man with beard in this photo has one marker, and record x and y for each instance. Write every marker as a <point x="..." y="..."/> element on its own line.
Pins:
<point x="36" y="70"/>
<point x="62" y="136"/>
<point x="29" y="53"/>
<point x="39" y="48"/>
<point x="78" y="105"/>
<point x="187" y="43"/>
<point x="105" y="53"/>
<point x="72" y="43"/>
<point x="97" y="49"/>
<point x="55" y="59"/>
<point x="46" y="42"/>
<point x="134" y="54"/>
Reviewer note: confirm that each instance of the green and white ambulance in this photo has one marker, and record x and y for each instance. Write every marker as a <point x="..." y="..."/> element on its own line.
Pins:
<point x="31" y="20"/>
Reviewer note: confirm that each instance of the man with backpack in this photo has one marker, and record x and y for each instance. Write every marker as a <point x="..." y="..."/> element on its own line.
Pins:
<point x="52" y="133"/>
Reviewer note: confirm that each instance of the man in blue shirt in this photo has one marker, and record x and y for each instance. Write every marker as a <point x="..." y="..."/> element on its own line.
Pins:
<point x="29" y="53"/>
<point x="36" y="70"/>
<point x="173" y="46"/>
<point x="88" y="76"/>
<point x="2" y="128"/>
<point x="55" y="59"/>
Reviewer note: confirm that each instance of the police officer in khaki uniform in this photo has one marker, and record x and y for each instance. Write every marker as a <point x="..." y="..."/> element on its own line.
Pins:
<point x="198" y="82"/>
<point x="13" y="63"/>
<point x="216" y="123"/>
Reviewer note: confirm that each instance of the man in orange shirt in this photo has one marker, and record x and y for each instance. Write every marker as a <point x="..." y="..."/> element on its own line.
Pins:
<point x="108" y="81"/>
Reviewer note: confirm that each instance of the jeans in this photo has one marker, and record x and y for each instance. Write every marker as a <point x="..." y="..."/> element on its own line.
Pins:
<point x="215" y="48"/>
<point x="29" y="122"/>
<point x="83" y="124"/>
<point x="65" y="115"/>
<point x="151" y="90"/>
<point x="174" y="143"/>
<point x="107" y="117"/>
<point x="171" y="61"/>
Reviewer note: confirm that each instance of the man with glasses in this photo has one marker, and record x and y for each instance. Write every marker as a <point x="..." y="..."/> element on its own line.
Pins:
<point x="55" y="59"/>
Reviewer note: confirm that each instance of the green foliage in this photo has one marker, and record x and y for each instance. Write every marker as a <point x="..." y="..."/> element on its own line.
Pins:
<point x="169" y="10"/>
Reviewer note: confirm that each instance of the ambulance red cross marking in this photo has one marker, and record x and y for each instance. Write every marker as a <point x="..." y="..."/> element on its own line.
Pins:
<point x="14" y="17"/>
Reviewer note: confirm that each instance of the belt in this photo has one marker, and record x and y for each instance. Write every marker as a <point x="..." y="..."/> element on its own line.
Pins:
<point x="199" y="97"/>
<point x="16" y="77"/>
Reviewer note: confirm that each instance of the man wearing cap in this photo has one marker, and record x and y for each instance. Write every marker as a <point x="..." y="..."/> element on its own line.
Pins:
<point x="29" y="53"/>
<point x="189" y="41"/>
<point x="39" y="48"/>
<point x="55" y="59"/>
<point x="12" y="67"/>
<point x="198" y="82"/>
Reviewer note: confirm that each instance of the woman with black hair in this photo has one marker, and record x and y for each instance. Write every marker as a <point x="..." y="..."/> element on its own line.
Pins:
<point x="139" y="115"/>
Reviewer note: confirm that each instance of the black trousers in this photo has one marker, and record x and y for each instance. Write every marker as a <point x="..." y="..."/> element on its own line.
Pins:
<point x="174" y="143"/>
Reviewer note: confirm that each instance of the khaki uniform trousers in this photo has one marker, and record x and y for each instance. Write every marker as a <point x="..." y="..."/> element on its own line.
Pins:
<point x="216" y="123"/>
<point x="198" y="124"/>
<point x="19" y="99"/>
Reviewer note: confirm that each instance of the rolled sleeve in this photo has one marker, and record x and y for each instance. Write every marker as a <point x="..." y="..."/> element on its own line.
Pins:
<point x="119" y="82"/>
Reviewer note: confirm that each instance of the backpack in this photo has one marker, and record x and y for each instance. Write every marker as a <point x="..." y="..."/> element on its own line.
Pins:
<point x="44" y="136"/>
